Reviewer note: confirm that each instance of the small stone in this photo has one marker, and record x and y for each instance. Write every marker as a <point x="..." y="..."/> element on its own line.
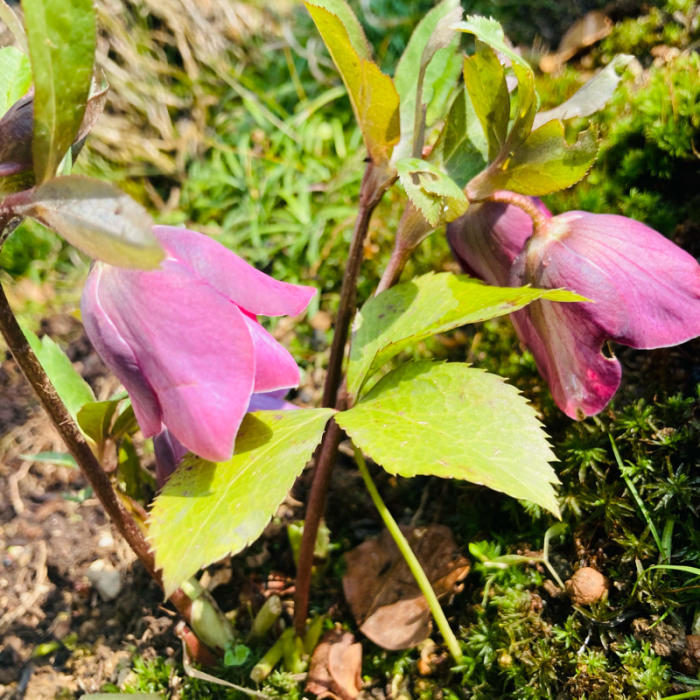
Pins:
<point x="586" y="586"/>
<point x="105" y="578"/>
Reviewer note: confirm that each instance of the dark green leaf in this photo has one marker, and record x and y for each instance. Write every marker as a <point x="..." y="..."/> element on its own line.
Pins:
<point x="207" y="510"/>
<point x="61" y="37"/>
<point x="454" y="421"/>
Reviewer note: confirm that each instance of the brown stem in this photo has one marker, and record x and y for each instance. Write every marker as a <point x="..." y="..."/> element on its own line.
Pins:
<point x="78" y="446"/>
<point x="375" y="182"/>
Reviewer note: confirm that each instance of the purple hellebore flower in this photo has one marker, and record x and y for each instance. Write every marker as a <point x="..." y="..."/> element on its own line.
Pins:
<point x="645" y="292"/>
<point x="184" y="339"/>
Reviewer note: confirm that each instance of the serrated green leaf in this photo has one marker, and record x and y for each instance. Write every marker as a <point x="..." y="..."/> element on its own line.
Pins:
<point x="351" y="24"/>
<point x="98" y="218"/>
<point x="455" y="421"/>
<point x="433" y="303"/>
<point x="591" y="96"/>
<point x="485" y="79"/>
<point x="61" y="35"/>
<point x="436" y="195"/>
<point x="461" y="149"/>
<point x="427" y="66"/>
<point x="95" y="419"/>
<point x="373" y="96"/>
<point x="208" y="510"/>
<point x="15" y="76"/>
<point x="544" y="163"/>
<point x="489" y="31"/>
<point x="70" y="386"/>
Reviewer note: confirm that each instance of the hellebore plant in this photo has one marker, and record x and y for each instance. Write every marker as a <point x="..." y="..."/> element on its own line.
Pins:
<point x="191" y="372"/>
<point x="174" y="314"/>
<point x="644" y="291"/>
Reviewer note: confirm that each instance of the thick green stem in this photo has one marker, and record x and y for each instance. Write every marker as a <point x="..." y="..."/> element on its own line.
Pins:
<point x="411" y="560"/>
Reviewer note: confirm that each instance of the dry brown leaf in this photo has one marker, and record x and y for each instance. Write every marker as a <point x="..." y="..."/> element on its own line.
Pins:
<point x="336" y="665"/>
<point x="382" y="593"/>
<point x="592" y="27"/>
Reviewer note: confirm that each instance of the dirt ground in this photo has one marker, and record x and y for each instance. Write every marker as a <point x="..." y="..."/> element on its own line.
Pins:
<point x="60" y="635"/>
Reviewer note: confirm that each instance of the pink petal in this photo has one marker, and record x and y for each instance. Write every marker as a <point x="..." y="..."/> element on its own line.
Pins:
<point x="647" y="294"/>
<point x="193" y="347"/>
<point x="275" y="368"/>
<point x="489" y="237"/>
<point x="113" y="349"/>
<point x="234" y="278"/>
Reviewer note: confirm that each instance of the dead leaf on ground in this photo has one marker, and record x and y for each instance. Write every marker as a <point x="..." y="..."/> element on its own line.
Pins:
<point x="382" y="593"/>
<point x="592" y="27"/>
<point x="336" y="665"/>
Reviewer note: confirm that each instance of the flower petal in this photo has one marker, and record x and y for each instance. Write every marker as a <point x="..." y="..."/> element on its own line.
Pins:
<point x="489" y="237"/>
<point x="113" y="349"/>
<point x="275" y="368"/>
<point x="249" y="288"/>
<point x="645" y="292"/>
<point x="193" y="347"/>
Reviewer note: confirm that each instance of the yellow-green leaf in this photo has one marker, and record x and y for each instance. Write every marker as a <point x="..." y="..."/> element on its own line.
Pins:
<point x="206" y="510"/>
<point x="373" y="96"/>
<point x="455" y="421"/>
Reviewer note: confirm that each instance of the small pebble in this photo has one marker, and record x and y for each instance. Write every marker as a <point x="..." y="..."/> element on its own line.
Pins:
<point x="586" y="586"/>
<point x="105" y="578"/>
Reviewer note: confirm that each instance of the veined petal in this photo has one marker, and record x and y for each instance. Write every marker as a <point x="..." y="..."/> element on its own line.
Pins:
<point x="645" y="292"/>
<point x="230" y="275"/>
<point x="113" y="349"/>
<point x="489" y="237"/>
<point x="193" y="347"/>
<point x="275" y="368"/>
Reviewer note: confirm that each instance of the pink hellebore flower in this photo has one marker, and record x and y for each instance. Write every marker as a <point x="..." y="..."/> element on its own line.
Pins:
<point x="184" y="339"/>
<point x="645" y="289"/>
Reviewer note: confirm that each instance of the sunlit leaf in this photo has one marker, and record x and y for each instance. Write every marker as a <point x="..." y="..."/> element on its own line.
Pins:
<point x="372" y="93"/>
<point x="489" y="31"/>
<point x="461" y="150"/>
<point x="70" y="386"/>
<point x="434" y="303"/>
<point x="433" y="193"/>
<point x="591" y="96"/>
<point x="207" y="510"/>
<point x="95" y="418"/>
<point x="61" y="36"/>
<point x="455" y="421"/>
<point x="430" y="60"/>
<point x="544" y="163"/>
<point x="98" y="218"/>
<point x="15" y="77"/>
<point x="485" y="79"/>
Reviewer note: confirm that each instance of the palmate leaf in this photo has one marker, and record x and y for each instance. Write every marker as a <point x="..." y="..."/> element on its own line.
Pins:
<point x="96" y="217"/>
<point x="454" y="421"/>
<point x="61" y="35"/>
<point x="373" y="96"/>
<point x="430" y="304"/>
<point x="208" y="510"/>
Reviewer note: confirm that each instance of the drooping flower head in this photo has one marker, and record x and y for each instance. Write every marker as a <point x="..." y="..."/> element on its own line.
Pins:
<point x="185" y="341"/>
<point x="644" y="291"/>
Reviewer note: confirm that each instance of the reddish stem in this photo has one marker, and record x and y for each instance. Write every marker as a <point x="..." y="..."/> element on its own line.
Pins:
<point x="375" y="182"/>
